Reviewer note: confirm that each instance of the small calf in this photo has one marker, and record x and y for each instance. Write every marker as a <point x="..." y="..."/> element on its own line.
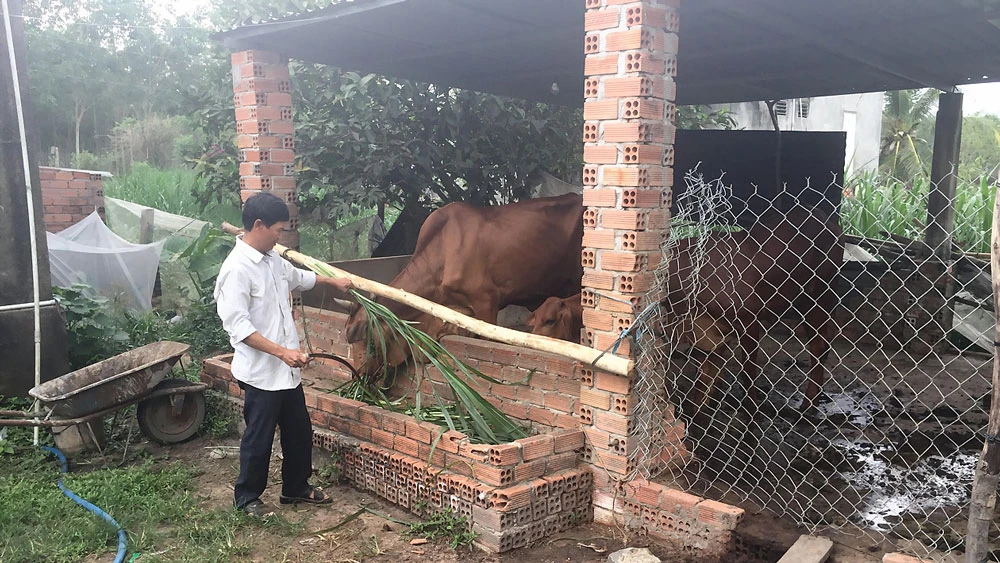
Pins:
<point x="558" y="318"/>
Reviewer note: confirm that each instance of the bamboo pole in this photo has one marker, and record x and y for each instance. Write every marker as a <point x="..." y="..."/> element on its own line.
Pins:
<point x="607" y="362"/>
<point x="984" y="487"/>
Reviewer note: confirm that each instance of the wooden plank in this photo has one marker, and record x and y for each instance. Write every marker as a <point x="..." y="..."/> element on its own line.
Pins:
<point x="808" y="549"/>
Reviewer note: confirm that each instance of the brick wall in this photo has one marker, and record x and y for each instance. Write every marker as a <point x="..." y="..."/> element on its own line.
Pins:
<point x="654" y="510"/>
<point x="628" y="136"/>
<point x="70" y="195"/>
<point x="264" y="128"/>
<point x="540" y="389"/>
<point x="511" y="494"/>
<point x="516" y="493"/>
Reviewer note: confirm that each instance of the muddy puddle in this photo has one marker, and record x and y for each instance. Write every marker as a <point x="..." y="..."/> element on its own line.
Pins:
<point x="931" y="484"/>
<point x="892" y="482"/>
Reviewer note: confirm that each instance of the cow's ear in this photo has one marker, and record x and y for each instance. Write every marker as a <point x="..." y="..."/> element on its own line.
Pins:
<point x="530" y="321"/>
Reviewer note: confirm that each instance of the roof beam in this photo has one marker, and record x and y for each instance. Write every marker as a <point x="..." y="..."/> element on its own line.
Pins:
<point x="815" y="37"/>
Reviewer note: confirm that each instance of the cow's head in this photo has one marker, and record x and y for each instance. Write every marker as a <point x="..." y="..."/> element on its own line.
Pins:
<point x="556" y="318"/>
<point x="357" y="335"/>
<point x="396" y="349"/>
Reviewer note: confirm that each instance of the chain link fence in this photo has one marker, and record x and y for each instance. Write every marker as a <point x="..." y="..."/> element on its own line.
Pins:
<point x="840" y="385"/>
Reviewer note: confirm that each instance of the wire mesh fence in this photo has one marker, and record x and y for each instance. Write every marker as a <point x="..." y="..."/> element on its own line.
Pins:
<point x="828" y="364"/>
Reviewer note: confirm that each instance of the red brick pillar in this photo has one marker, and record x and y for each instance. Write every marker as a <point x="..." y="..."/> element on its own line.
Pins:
<point x="264" y="130"/>
<point x="631" y="48"/>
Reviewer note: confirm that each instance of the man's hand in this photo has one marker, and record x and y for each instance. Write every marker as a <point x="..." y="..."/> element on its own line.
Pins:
<point x="293" y="358"/>
<point x="341" y="284"/>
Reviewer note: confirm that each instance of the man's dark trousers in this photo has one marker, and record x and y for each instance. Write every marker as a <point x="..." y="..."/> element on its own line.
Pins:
<point x="262" y="411"/>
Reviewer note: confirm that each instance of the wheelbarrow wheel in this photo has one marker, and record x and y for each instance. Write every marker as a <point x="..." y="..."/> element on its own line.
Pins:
<point x="172" y="419"/>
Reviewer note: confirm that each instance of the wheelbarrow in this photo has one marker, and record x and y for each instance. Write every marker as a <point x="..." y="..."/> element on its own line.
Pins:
<point x="169" y="410"/>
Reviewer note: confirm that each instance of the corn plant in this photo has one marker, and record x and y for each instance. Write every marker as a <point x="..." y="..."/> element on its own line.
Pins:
<point x="875" y="207"/>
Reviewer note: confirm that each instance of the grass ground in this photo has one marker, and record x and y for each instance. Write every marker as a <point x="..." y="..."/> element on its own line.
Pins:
<point x="174" y="503"/>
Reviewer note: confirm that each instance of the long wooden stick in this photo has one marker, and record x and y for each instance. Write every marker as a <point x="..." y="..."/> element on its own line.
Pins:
<point x="984" y="487"/>
<point x="607" y="362"/>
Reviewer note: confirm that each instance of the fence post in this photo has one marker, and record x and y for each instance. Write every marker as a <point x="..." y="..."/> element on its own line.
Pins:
<point x="146" y="225"/>
<point x="941" y="209"/>
<point x="984" y="486"/>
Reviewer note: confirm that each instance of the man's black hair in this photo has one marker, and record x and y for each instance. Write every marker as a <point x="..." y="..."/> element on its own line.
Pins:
<point x="264" y="206"/>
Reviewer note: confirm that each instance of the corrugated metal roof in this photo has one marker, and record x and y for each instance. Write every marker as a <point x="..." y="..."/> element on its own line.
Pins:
<point x="730" y="50"/>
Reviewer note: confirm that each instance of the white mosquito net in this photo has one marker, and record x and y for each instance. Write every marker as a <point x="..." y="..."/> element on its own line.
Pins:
<point x="89" y="253"/>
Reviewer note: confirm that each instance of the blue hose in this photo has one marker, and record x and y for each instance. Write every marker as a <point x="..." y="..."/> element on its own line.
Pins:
<point x="122" y="541"/>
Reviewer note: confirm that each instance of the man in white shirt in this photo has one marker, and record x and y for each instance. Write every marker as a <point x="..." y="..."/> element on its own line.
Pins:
<point x="252" y="300"/>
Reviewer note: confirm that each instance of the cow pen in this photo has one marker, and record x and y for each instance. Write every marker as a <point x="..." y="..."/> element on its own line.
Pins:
<point x="883" y="461"/>
<point x="890" y="449"/>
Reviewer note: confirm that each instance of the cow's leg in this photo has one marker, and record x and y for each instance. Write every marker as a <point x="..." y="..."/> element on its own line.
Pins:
<point x="749" y="343"/>
<point x="709" y="336"/>
<point x="819" y="348"/>
<point x="701" y="393"/>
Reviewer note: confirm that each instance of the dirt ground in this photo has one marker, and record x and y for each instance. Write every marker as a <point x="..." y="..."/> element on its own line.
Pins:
<point x="368" y="538"/>
<point x="889" y="454"/>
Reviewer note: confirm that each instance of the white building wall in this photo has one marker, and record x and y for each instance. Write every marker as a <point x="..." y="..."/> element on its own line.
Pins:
<point x="860" y="115"/>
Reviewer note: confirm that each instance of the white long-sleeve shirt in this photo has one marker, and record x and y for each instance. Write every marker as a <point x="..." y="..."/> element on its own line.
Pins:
<point x="251" y="295"/>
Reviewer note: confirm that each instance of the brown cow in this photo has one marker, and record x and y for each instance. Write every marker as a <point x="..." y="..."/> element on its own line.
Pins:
<point x="479" y="260"/>
<point x="558" y="318"/>
<point x="784" y="263"/>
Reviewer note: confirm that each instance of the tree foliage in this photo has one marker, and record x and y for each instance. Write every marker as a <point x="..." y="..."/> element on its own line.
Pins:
<point x="903" y="152"/>
<point x="366" y="139"/>
<point x="980" y="154"/>
<point x="94" y="63"/>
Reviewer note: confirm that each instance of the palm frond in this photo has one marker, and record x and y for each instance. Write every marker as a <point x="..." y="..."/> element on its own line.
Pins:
<point x="470" y="413"/>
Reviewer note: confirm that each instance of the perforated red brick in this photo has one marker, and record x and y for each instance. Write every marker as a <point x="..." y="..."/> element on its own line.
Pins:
<point x="600" y="19"/>
<point x="567" y="440"/>
<point x="395" y="423"/>
<point x="475" y="452"/>
<point x="638" y="38"/>
<point x="600" y="64"/>
<point x="600" y="110"/>
<point x="511" y="498"/>
<point x="542" y="415"/>
<point x="595" y="398"/>
<point x="598" y="320"/>
<point x="636" y="86"/>
<point x="622" y="132"/>
<point x="529" y="470"/>
<point x="640" y="61"/>
<point x="536" y="447"/>
<point x="504" y="454"/>
<point x="623" y="262"/>
<point x="600" y="154"/>
<point x="613" y="463"/>
<point x="559" y="402"/>
<point x="636" y="176"/>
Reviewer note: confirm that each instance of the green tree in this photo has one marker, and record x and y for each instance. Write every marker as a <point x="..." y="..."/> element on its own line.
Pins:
<point x="364" y="140"/>
<point x="980" y="147"/>
<point x="93" y="63"/>
<point x="904" y="151"/>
